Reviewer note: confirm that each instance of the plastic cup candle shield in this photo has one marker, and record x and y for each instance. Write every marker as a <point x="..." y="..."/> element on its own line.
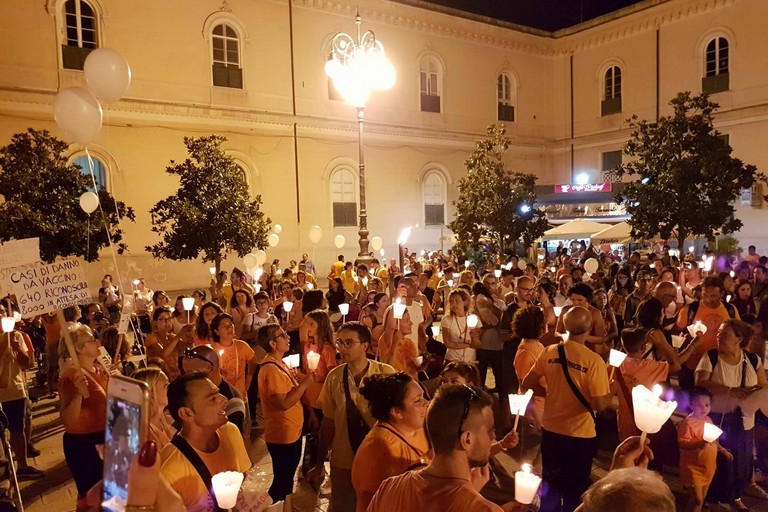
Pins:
<point x="526" y="485"/>
<point x="287" y="306"/>
<point x="558" y="310"/>
<point x="711" y="432"/>
<point x="226" y="487"/>
<point x="398" y="308"/>
<point x="418" y="361"/>
<point x="472" y="321"/>
<point x="313" y="359"/>
<point x="344" y="309"/>
<point x="188" y="302"/>
<point x="212" y="270"/>
<point x="292" y="361"/>
<point x="435" y="330"/>
<point x="497" y="273"/>
<point x="651" y="412"/>
<point x="698" y="326"/>
<point x="518" y="404"/>
<point x="616" y="357"/>
<point x="310" y="286"/>
<point x="8" y="323"/>
<point x="466" y="263"/>
<point x="677" y="341"/>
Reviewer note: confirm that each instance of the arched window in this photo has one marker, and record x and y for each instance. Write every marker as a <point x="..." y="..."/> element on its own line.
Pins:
<point x="99" y="171"/>
<point x="611" y="91"/>
<point x="429" y="79"/>
<point x="225" y="45"/>
<point x="81" y="36"/>
<point x="344" y="198"/>
<point x="506" y="97"/>
<point x="434" y="199"/>
<point x="716" y="61"/>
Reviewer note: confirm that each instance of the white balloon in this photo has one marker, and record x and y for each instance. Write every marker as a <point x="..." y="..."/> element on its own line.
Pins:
<point x="261" y="257"/>
<point x="278" y="228"/>
<point x="89" y="202"/>
<point x="339" y="241"/>
<point x="376" y="243"/>
<point x="107" y="74"/>
<point x="79" y="114"/>
<point x="273" y="240"/>
<point x="250" y="260"/>
<point x="315" y="234"/>
<point x="591" y="265"/>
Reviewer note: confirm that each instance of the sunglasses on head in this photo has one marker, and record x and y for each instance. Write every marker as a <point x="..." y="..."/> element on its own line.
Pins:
<point x="467" y="405"/>
<point x="192" y="354"/>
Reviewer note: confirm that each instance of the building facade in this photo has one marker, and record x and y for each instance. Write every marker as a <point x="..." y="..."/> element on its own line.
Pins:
<point x="253" y="71"/>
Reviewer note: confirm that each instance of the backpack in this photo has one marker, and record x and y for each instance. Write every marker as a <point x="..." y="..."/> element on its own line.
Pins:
<point x="753" y="358"/>
<point x="693" y="308"/>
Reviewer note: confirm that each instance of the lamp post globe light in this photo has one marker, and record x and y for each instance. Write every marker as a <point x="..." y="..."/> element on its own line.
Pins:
<point x="357" y="68"/>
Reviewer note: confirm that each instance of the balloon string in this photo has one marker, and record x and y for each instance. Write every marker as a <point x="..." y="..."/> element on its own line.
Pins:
<point x="88" y="239"/>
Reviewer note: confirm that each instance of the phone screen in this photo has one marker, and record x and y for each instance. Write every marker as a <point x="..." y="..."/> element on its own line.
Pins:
<point x="121" y="444"/>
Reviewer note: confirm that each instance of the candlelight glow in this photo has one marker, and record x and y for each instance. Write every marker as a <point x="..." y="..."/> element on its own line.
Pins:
<point x="472" y="321"/>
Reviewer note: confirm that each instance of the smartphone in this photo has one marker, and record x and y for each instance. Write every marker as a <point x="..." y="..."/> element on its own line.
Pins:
<point x="127" y="425"/>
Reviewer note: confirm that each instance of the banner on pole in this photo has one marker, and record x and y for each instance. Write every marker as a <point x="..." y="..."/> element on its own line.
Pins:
<point x="50" y="287"/>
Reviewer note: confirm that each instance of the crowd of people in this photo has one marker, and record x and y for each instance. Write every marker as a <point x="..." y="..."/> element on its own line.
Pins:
<point x="383" y="377"/>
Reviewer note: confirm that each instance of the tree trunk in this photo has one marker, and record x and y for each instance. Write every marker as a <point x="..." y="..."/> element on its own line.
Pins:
<point x="217" y="262"/>
<point x="681" y="236"/>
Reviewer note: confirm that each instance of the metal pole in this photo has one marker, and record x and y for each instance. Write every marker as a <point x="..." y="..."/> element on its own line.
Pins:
<point x="364" y="256"/>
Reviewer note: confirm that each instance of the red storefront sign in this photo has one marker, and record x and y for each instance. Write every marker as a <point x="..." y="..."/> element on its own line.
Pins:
<point x="587" y="187"/>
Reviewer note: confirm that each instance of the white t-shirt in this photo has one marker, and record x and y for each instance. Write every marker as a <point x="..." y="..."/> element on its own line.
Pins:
<point x="457" y="327"/>
<point x="11" y="375"/>
<point x="728" y="375"/>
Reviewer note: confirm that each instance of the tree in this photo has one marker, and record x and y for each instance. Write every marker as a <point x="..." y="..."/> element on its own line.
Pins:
<point x="685" y="180"/>
<point x="42" y="199"/>
<point x="211" y="212"/>
<point x="495" y="205"/>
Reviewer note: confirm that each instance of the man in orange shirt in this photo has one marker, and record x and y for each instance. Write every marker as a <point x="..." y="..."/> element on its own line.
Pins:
<point x="460" y="427"/>
<point x="338" y="266"/>
<point x="710" y="311"/>
<point x="568" y="441"/>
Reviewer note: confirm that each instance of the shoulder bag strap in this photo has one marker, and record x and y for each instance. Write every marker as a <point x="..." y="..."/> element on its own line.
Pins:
<point x="357" y="427"/>
<point x="579" y="396"/>
<point x="397" y="434"/>
<point x="293" y="381"/>
<point x="202" y="470"/>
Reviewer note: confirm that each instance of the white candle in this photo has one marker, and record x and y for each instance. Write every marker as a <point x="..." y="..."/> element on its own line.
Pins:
<point x="287" y="306"/>
<point x="651" y="412"/>
<point x="497" y="273"/>
<point x="553" y="270"/>
<point x="8" y="323"/>
<point x="212" y="270"/>
<point x="616" y="357"/>
<point x="136" y="282"/>
<point x="450" y="283"/>
<point x="17" y="316"/>
<point x="365" y="281"/>
<point x="292" y="361"/>
<point x="419" y="360"/>
<point x="526" y="485"/>
<point x="518" y="404"/>
<point x="226" y="487"/>
<point x="711" y="432"/>
<point x="313" y="359"/>
<point x="472" y="321"/>
<point x="697" y="327"/>
<point x="398" y="308"/>
<point x="455" y="276"/>
<point x="466" y="263"/>
<point x="310" y="286"/>
<point x="677" y="341"/>
<point x="344" y="308"/>
<point x="188" y="302"/>
<point x="558" y="310"/>
<point x="435" y="330"/>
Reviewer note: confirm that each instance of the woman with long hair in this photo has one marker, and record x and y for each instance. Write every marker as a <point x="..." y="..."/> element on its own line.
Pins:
<point x="160" y="430"/>
<point x="161" y="342"/>
<point x="240" y="307"/>
<point x="236" y="357"/>
<point x="336" y="294"/>
<point x="207" y="313"/>
<point x="398" y="441"/>
<point x="180" y="317"/>
<point x="743" y="298"/>
<point x="459" y="340"/>
<point x="601" y="303"/>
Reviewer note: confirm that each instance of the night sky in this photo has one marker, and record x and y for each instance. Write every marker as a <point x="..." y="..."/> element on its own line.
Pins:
<point x="547" y="15"/>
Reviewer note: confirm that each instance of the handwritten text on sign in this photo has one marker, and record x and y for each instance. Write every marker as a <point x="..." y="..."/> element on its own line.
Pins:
<point x="47" y="288"/>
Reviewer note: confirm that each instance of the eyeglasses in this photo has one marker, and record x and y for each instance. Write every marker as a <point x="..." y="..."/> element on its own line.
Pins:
<point x="346" y="343"/>
<point x="281" y="335"/>
<point x="467" y="405"/>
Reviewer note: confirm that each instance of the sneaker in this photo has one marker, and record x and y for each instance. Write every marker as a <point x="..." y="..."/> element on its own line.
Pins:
<point x="755" y="491"/>
<point x="29" y="473"/>
<point x="32" y="451"/>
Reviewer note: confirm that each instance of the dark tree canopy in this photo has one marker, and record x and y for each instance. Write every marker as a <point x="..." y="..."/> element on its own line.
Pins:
<point x="495" y="206"/>
<point x="684" y="179"/>
<point x="211" y="213"/>
<point x="42" y="199"/>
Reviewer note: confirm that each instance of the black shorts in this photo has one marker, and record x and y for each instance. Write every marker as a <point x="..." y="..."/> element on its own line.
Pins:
<point x="15" y="411"/>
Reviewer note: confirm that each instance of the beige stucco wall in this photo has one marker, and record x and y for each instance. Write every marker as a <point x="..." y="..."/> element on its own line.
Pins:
<point x="167" y="45"/>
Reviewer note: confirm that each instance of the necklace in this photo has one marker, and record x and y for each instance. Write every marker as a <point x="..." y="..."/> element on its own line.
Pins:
<point x="462" y="333"/>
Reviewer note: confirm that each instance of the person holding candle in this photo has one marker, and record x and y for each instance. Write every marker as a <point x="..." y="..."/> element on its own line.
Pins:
<point x="142" y="305"/>
<point x="528" y="325"/>
<point x="397" y="442"/>
<point x="180" y="316"/>
<point x="731" y="374"/>
<point x="236" y="356"/>
<point x="459" y="340"/>
<point x="207" y="313"/>
<point x="280" y="392"/>
<point x="395" y="346"/>
<point x="698" y="457"/>
<point x="240" y="307"/>
<point x="580" y="294"/>
<point x="568" y="441"/>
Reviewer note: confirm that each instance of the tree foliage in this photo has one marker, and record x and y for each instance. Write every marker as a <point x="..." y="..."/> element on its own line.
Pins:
<point x="42" y="199"/>
<point x="685" y="180"/>
<point x="211" y="212"/>
<point x="495" y="206"/>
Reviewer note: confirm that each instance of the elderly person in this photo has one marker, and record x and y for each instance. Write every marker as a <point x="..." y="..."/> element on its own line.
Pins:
<point x="732" y="374"/>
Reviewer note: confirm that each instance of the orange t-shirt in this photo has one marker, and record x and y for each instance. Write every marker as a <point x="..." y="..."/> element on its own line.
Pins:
<point x="712" y="318"/>
<point x="635" y="372"/>
<point x="326" y="363"/>
<point x="415" y="490"/>
<point x="52" y="330"/>
<point x="233" y="361"/>
<point x="392" y="457"/>
<point x="280" y="427"/>
<point x="697" y="466"/>
<point x="93" y="410"/>
<point x="525" y="359"/>
<point x="405" y="353"/>
<point x="563" y="412"/>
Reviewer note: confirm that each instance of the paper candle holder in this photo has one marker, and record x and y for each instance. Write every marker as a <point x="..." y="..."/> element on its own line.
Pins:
<point x="8" y="323"/>
<point x="226" y="487"/>
<point x="526" y="485"/>
<point x="287" y="306"/>
<point x="365" y="281"/>
<point x="344" y="308"/>
<point x="519" y="403"/>
<point x="188" y="302"/>
<point x="435" y="330"/>
<point x="558" y="310"/>
<point x="292" y="361"/>
<point x="711" y="432"/>
<point x="398" y="309"/>
<point x="310" y="286"/>
<point x="212" y="270"/>
<point x="467" y="263"/>
<point x="651" y="412"/>
<point x="136" y="282"/>
<point x="616" y="357"/>
<point x="497" y="273"/>
<point x="17" y="316"/>
<point x="450" y="283"/>
<point x="698" y="326"/>
<point x="313" y="359"/>
<point x="677" y="341"/>
<point x="418" y="360"/>
<point x="472" y="321"/>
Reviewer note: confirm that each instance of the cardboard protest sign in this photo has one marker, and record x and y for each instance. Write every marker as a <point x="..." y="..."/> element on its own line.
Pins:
<point x="50" y="287"/>
<point x="14" y="256"/>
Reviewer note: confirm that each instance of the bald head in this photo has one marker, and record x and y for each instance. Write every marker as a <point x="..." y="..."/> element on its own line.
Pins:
<point x="666" y="292"/>
<point x="577" y="321"/>
<point x="629" y="490"/>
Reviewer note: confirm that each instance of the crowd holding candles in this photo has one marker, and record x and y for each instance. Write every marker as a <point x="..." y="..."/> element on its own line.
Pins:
<point x="382" y="376"/>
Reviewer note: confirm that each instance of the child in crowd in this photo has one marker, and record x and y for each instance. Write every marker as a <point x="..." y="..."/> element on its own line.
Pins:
<point x="698" y="458"/>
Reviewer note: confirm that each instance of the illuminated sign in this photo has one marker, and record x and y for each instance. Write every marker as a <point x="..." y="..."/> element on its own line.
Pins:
<point x="587" y="187"/>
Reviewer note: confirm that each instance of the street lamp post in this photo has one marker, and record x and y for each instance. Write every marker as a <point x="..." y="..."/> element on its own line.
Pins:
<point x="358" y="67"/>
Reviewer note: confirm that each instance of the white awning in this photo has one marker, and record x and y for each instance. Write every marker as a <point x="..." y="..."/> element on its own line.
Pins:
<point x="577" y="228"/>
<point x="618" y="234"/>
